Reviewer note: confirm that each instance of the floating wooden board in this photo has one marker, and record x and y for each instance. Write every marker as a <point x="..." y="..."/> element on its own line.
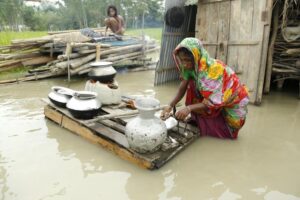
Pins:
<point x="109" y="133"/>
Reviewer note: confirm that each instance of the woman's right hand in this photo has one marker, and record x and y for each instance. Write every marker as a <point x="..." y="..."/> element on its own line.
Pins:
<point x="166" y="112"/>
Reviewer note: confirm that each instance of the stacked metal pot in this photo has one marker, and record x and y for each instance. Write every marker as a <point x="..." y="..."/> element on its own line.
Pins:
<point x="81" y="104"/>
<point x="103" y="83"/>
<point x="103" y="72"/>
<point x="100" y="89"/>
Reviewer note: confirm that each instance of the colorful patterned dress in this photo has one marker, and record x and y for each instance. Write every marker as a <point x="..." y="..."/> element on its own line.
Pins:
<point x="214" y="84"/>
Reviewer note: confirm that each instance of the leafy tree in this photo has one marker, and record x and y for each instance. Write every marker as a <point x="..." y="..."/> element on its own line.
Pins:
<point x="10" y="13"/>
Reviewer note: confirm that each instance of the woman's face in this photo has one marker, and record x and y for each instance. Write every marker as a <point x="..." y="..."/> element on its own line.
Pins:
<point x="112" y="12"/>
<point x="186" y="60"/>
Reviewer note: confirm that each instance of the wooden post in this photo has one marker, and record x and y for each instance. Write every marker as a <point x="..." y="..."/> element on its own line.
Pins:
<point x="68" y="52"/>
<point x="271" y="50"/>
<point x="264" y="51"/>
<point x="98" y="52"/>
<point x="144" y="46"/>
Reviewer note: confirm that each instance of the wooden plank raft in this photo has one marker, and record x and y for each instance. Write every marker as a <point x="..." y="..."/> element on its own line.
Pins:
<point x="109" y="132"/>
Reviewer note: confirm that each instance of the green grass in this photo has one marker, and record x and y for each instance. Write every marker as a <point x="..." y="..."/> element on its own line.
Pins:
<point x="6" y="37"/>
<point x="152" y="32"/>
<point x="13" y="73"/>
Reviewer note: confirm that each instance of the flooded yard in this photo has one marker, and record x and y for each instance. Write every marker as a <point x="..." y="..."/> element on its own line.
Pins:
<point x="41" y="161"/>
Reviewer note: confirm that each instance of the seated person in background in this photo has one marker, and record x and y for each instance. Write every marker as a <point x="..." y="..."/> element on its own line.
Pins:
<point x="114" y="21"/>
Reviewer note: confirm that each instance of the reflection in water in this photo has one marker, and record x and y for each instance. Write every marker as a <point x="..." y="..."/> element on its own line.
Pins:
<point x="40" y="160"/>
<point x="169" y="184"/>
<point x="278" y="195"/>
<point x="260" y="191"/>
<point x="274" y="194"/>
<point x="3" y="177"/>
<point x="227" y="195"/>
<point x="217" y="184"/>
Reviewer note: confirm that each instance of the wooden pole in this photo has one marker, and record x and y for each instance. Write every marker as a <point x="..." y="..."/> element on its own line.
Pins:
<point x="271" y="50"/>
<point x="68" y="52"/>
<point x="98" y="52"/>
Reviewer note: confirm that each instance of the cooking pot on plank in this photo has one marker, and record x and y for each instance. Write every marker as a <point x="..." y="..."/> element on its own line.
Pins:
<point x="102" y="75"/>
<point x="102" y="72"/>
<point x="59" y="96"/>
<point x="84" y="105"/>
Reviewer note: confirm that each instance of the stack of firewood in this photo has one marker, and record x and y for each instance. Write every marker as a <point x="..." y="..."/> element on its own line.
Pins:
<point x="286" y="57"/>
<point x="23" y="53"/>
<point x="286" y="40"/>
<point x="68" y="53"/>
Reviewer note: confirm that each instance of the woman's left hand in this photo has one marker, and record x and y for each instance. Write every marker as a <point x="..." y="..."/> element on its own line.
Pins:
<point x="183" y="113"/>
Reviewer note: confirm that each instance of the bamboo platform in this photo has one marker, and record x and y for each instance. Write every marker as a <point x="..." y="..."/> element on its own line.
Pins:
<point x="108" y="131"/>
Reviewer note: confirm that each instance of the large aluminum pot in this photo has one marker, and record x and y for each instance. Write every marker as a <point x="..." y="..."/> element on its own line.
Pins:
<point x="102" y="71"/>
<point x="59" y="96"/>
<point x="84" y="105"/>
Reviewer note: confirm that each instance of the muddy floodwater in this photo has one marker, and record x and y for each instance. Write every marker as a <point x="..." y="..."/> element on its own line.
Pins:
<point x="41" y="161"/>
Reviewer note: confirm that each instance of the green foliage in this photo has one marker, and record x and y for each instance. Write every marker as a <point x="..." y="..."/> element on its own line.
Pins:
<point x="10" y="13"/>
<point x="33" y="19"/>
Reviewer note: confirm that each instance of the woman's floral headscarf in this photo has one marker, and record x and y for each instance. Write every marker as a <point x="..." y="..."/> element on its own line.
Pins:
<point x="203" y="63"/>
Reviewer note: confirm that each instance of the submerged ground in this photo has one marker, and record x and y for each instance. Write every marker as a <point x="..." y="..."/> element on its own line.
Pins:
<point x="41" y="161"/>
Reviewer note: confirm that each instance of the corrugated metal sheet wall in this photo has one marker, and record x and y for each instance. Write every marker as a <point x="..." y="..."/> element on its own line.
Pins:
<point x="166" y="69"/>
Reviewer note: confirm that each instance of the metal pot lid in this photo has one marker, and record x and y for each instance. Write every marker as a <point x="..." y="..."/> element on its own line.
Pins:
<point x="102" y="71"/>
<point x="85" y="95"/>
<point x="84" y="101"/>
<point x="101" y="64"/>
<point x="60" y="94"/>
<point x="63" y="91"/>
